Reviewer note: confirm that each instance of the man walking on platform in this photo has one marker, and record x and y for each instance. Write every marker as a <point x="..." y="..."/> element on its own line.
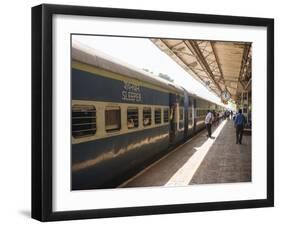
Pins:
<point x="208" y="123"/>
<point x="239" y="123"/>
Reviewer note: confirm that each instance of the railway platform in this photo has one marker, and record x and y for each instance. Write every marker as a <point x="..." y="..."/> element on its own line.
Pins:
<point x="201" y="160"/>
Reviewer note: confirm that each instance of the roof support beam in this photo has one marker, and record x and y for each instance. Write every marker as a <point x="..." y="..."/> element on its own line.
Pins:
<point x="176" y="57"/>
<point x="199" y="55"/>
<point x="245" y="65"/>
<point x="216" y="64"/>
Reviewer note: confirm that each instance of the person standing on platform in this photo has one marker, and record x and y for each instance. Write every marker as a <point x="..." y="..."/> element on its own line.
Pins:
<point x="239" y="123"/>
<point x="208" y="123"/>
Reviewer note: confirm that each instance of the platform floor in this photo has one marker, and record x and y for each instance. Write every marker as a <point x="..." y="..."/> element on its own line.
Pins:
<point x="201" y="160"/>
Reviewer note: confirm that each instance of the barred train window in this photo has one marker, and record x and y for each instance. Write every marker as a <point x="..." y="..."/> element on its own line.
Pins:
<point x="146" y="116"/>
<point x="133" y="118"/>
<point x="181" y="113"/>
<point x="112" y="119"/>
<point x="83" y="120"/>
<point x="166" y="115"/>
<point x="157" y="115"/>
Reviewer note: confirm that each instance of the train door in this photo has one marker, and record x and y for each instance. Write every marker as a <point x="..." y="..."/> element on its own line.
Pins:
<point x="194" y="115"/>
<point x="172" y="117"/>
<point x="191" y="116"/>
<point x="186" y="115"/>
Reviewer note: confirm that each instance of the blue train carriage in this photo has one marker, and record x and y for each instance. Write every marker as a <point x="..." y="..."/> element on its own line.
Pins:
<point x="122" y="119"/>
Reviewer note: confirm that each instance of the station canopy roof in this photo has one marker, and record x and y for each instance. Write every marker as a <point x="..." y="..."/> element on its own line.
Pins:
<point x="224" y="67"/>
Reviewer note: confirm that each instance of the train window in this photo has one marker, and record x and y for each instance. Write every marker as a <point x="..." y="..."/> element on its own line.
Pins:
<point x="83" y="121"/>
<point x="157" y="116"/>
<point x="112" y="119"/>
<point x="133" y="118"/>
<point x="181" y="113"/>
<point x="146" y="116"/>
<point x="166" y="115"/>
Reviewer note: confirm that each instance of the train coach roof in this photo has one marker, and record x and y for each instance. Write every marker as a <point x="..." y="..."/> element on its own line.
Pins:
<point x="91" y="56"/>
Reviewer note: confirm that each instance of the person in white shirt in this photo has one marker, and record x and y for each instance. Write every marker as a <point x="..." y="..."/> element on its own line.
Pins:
<point x="208" y="123"/>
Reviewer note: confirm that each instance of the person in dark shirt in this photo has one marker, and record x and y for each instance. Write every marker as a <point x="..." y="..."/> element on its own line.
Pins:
<point x="239" y="122"/>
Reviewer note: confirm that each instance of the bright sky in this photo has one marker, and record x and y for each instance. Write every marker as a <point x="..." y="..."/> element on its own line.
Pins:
<point x="143" y="54"/>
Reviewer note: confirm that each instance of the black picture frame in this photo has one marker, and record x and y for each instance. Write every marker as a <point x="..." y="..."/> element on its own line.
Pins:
<point x="42" y="111"/>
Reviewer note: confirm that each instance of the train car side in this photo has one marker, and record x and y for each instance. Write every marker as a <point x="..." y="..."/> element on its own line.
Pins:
<point x="131" y="128"/>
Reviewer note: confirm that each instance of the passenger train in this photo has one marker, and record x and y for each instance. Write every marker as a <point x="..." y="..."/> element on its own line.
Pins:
<point x="124" y="118"/>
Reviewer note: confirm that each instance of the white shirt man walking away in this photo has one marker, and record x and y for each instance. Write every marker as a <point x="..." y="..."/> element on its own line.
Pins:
<point x="208" y="123"/>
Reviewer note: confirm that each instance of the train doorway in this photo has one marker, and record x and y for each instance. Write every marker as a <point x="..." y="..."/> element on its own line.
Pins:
<point x="172" y="130"/>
